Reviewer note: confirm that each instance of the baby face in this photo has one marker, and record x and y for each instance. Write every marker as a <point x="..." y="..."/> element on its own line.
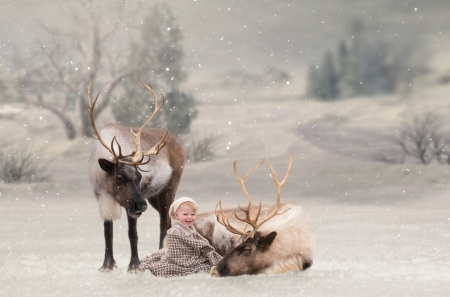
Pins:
<point x="185" y="214"/>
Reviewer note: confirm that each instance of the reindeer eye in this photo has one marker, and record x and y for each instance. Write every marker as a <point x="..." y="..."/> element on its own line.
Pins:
<point x="120" y="180"/>
<point x="244" y="251"/>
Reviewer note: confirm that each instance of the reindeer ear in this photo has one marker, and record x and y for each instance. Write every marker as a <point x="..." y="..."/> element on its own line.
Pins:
<point x="263" y="242"/>
<point x="106" y="165"/>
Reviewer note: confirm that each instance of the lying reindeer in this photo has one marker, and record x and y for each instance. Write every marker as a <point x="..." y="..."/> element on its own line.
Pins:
<point x="280" y="239"/>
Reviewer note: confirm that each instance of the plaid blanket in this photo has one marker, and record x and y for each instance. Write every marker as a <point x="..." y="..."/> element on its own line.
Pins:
<point x="182" y="256"/>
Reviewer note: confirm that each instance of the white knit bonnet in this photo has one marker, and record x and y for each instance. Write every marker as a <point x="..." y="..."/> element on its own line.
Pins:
<point x="176" y="204"/>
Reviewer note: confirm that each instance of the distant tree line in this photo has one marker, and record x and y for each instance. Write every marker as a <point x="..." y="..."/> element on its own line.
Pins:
<point x="365" y="64"/>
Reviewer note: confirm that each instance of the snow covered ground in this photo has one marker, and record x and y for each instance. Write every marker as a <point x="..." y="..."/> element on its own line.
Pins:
<point x="54" y="246"/>
<point x="381" y="229"/>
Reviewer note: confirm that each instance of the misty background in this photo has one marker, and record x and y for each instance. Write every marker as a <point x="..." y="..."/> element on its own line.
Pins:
<point x="245" y="37"/>
<point x="206" y="53"/>
<point x="325" y="62"/>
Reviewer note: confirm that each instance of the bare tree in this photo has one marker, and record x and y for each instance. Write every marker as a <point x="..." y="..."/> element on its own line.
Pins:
<point x="68" y="58"/>
<point x="202" y="147"/>
<point x="424" y="140"/>
<point x="21" y="162"/>
<point x="440" y="147"/>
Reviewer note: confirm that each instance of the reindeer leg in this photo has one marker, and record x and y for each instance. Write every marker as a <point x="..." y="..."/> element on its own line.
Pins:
<point x="133" y="267"/>
<point x="109" y="263"/>
<point x="161" y="205"/>
<point x="165" y="200"/>
<point x="164" y="224"/>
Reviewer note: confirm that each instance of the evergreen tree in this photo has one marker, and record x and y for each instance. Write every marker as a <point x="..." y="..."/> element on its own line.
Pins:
<point x="372" y="64"/>
<point x="180" y="106"/>
<point x="353" y="83"/>
<point x="343" y="68"/>
<point x="342" y="59"/>
<point x="160" y="55"/>
<point x="374" y="74"/>
<point x="328" y="78"/>
<point x="366" y="65"/>
<point x="312" y="84"/>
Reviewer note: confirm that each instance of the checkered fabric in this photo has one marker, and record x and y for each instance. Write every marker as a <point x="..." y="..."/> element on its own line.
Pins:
<point x="182" y="256"/>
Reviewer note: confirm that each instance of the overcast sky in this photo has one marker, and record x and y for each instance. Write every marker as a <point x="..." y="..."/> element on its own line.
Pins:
<point x="250" y="34"/>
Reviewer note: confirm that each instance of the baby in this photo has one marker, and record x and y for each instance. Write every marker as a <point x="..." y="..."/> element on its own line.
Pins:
<point x="185" y="251"/>
<point x="183" y="212"/>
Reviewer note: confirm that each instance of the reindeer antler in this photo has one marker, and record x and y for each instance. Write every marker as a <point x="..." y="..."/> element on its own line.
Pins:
<point x="117" y="157"/>
<point x="251" y="218"/>
<point x="279" y="185"/>
<point x="137" y="156"/>
<point x="242" y="182"/>
<point x="222" y="218"/>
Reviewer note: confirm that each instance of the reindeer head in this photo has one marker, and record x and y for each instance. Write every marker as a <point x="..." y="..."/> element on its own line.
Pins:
<point x="123" y="174"/>
<point x="251" y="253"/>
<point x="249" y="257"/>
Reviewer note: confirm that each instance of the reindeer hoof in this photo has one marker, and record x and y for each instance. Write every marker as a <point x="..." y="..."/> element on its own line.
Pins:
<point x="108" y="266"/>
<point x="135" y="270"/>
<point x="134" y="266"/>
<point x="107" y="269"/>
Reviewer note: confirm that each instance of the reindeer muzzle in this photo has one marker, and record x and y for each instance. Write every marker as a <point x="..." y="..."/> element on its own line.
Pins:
<point x="137" y="208"/>
<point x="214" y="272"/>
<point x="219" y="270"/>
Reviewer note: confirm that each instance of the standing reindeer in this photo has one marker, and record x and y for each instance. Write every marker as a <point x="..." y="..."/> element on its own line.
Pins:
<point x="279" y="240"/>
<point x="147" y="165"/>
